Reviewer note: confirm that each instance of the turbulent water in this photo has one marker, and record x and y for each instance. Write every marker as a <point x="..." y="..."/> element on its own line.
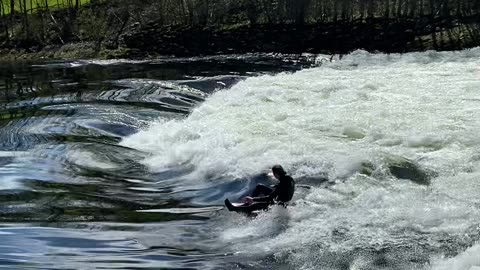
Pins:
<point x="125" y="165"/>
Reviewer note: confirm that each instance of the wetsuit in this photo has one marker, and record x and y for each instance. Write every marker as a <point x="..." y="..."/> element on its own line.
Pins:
<point x="281" y="194"/>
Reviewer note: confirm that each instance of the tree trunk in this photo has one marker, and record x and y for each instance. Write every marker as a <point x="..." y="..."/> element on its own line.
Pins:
<point x="5" y="22"/>
<point x="300" y="9"/>
<point x="252" y="12"/>
<point x="399" y="8"/>
<point x="344" y="10"/>
<point x="267" y="10"/>
<point x="370" y="9"/>
<point x="27" y="27"/>
<point x="282" y="11"/>
<point x="362" y="9"/>
<point x="459" y="8"/>
<point x="335" y="10"/>
<point x="394" y="4"/>
<point x="432" y="8"/>
<point x="406" y="9"/>
<point x="387" y="9"/>
<point x="446" y="9"/>
<point x="190" y="12"/>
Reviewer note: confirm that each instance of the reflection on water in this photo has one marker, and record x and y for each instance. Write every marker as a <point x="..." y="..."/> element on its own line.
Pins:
<point x="72" y="198"/>
<point x="107" y="246"/>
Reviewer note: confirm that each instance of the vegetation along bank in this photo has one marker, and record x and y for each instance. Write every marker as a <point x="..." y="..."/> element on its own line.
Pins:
<point x="148" y="28"/>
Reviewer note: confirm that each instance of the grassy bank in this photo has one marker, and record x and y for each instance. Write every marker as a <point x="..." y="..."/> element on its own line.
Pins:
<point x="32" y="6"/>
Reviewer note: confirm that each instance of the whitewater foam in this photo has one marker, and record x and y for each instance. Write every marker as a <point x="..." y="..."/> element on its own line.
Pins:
<point x="468" y="260"/>
<point x="319" y="116"/>
<point x="329" y="121"/>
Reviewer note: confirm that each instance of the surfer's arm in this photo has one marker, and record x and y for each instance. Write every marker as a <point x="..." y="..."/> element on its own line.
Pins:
<point x="268" y="198"/>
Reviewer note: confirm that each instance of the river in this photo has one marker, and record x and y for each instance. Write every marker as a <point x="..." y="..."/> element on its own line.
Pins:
<point x="116" y="164"/>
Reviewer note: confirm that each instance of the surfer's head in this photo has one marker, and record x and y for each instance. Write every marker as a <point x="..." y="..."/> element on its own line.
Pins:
<point x="278" y="171"/>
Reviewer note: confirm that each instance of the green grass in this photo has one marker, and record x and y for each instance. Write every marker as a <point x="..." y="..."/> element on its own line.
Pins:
<point x="34" y="5"/>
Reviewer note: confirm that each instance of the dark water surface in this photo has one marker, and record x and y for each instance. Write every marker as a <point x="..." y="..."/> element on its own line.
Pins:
<point x="73" y="198"/>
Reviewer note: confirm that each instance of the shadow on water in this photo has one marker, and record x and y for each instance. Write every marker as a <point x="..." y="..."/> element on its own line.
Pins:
<point x="67" y="189"/>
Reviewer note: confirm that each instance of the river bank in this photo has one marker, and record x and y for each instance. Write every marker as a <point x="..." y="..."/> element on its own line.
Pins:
<point x="152" y="42"/>
<point x="104" y="31"/>
<point x="80" y="50"/>
<point x="389" y="36"/>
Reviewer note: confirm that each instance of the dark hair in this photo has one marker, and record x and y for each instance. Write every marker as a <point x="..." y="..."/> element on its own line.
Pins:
<point x="278" y="169"/>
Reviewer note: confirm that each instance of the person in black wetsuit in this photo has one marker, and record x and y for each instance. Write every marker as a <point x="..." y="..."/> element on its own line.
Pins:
<point x="281" y="194"/>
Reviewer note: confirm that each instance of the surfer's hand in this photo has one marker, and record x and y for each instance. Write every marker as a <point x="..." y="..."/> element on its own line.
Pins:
<point x="248" y="200"/>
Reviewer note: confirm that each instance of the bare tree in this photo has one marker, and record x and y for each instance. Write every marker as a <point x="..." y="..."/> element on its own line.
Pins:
<point x="387" y="9"/>
<point x="5" y="22"/>
<point x="204" y="12"/>
<point x="252" y="11"/>
<point x="421" y="12"/>
<point x="300" y="11"/>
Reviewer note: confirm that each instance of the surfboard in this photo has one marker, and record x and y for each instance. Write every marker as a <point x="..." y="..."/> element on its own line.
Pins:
<point x="237" y="207"/>
<point x="237" y="204"/>
<point x="232" y="206"/>
<point x="183" y="210"/>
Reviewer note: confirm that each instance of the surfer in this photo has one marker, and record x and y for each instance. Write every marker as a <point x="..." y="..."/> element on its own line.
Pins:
<point x="281" y="194"/>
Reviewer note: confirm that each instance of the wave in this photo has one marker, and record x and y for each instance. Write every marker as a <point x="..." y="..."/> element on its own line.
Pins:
<point x="336" y="122"/>
<point x="327" y="119"/>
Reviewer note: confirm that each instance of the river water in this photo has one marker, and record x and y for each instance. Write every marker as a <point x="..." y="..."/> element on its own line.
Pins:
<point x="125" y="164"/>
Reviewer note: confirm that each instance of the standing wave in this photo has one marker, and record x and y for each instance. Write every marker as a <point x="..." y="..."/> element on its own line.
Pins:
<point x="328" y="119"/>
<point x="337" y="121"/>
